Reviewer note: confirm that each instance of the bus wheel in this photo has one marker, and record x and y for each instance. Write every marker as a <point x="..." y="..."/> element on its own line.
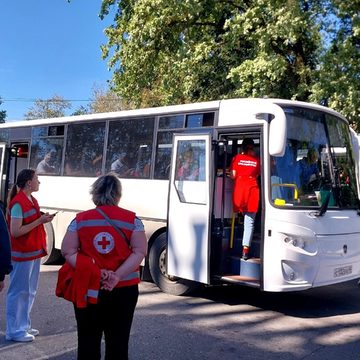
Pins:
<point x="157" y="265"/>
<point x="52" y="254"/>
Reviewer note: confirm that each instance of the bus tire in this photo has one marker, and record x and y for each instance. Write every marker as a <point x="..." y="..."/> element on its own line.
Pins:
<point x="52" y="254"/>
<point x="157" y="266"/>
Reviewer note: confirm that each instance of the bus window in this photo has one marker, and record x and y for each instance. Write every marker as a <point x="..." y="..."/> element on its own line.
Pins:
<point x="163" y="155"/>
<point x="191" y="161"/>
<point x="171" y="122"/>
<point x="129" y="147"/>
<point x="84" y="149"/>
<point x="46" y="150"/>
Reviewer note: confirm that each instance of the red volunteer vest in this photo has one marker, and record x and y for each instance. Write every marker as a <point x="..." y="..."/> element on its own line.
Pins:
<point x="246" y="192"/>
<point x="99" y="240"/>
<point x="33" y="244"/>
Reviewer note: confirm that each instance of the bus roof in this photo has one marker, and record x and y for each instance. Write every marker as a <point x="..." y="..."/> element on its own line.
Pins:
<point x="171" y="109"/>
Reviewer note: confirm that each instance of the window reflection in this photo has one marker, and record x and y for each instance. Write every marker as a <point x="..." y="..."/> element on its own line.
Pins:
<point x="84" y="149"/>
<point x="130" y="147"/>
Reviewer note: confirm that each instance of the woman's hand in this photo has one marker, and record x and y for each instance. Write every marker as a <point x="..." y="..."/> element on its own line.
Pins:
<point x="109" y="279"/>
<point x="45" y="218"/>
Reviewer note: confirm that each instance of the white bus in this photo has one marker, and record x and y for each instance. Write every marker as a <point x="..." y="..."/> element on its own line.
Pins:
<point x="306" y="235"/>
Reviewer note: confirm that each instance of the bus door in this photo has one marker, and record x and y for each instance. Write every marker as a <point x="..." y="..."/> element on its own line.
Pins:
<point x="189" y="208"/>
<point x="3" y="175"/>
<point x="12" y="160"/>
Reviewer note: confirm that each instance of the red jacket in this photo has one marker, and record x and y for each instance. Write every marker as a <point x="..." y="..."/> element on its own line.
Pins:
<point x="33" y="244"/>
<point x="80" y="285"/>
<point x="246" y="192"/>
<point x="100" y="241"/>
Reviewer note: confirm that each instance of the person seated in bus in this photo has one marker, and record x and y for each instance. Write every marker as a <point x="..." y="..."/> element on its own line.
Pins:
<point x="244" y="170"/>
<point x="276" y="181"/>
<point x="120" y="167"/>
<point x="45" y="166"/>
<point x="308" y="169"/>
<point x="189" y="169"/>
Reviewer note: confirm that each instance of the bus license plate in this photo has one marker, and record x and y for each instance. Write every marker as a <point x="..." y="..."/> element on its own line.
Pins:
<point x="342" y="271"/>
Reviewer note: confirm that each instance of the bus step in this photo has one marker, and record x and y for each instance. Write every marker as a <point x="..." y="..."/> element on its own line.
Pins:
<point x="248" y="269"/>
<point x="238" y="279"/>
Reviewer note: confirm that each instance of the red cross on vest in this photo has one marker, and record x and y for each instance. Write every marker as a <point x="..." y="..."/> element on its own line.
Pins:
<point x="103" y="242"/>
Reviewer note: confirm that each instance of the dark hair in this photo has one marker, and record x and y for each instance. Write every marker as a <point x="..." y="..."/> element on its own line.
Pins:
<point x="247" y="143"/>
<point x="106" y="190"/>
<point x="22" y="178"/>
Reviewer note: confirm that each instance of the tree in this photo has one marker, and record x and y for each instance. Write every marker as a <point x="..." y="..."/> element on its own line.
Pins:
<point x="52" y="107"/>
<point x="81" y="110"/>
<point x="2" y="114"/>
<point x="105" y="100"/>
<point x="337" y="80"/>
<point x="169" y="51"/>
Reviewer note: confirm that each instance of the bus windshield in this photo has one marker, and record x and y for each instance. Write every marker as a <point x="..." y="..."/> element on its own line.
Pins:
<point x="318" y="163"/>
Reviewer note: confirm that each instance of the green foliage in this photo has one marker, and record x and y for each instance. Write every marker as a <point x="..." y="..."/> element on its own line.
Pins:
<point x="177" y="51"/>
<point x="2" y="114"/>
<point x="105" y="100"/>
<point x="337" y="80"/>
<point x="81" y="110"/>
<point x="169" y="51"/>
<point x="43" y="109"/>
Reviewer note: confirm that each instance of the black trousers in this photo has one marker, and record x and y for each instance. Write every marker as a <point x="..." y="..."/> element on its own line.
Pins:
<point x="111" y="316"/>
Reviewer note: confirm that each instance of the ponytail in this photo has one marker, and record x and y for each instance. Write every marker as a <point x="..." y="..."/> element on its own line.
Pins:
<point x="22" y="178"/>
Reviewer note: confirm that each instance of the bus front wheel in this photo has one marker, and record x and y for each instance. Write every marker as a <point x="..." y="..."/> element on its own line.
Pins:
<point x="157" y="266"/>
<point x="52" y="254"/>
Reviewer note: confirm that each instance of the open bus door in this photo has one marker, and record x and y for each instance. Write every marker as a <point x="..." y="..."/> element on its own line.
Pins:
<point x="188" y="245"/>
<point x="3" y="176"/>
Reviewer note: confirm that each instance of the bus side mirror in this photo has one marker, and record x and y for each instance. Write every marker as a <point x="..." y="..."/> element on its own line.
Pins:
<point x="277" y="131"/>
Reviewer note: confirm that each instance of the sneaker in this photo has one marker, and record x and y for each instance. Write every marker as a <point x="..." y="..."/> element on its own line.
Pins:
<point x="33" y="332"/>
<point x="25" y="338"/>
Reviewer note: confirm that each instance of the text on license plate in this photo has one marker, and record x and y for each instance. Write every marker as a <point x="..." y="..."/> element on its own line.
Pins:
<point x="342" y="271"/>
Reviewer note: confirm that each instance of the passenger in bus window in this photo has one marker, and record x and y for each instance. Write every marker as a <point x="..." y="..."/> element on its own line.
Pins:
<point x="45" y="166"/>
<point x="120" y="167"/>
<point x="189" y="168"/>
<point x="103" y="248"/>
<point x="28" y="243"/>
<point x="5" y="252"/>
<point x="308" y="170"/>
<point x="245" y="169"/>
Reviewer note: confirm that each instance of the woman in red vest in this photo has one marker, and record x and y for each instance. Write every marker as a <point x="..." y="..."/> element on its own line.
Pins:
<point x="245" y="168"/>
<point x="28" y="246"/>
<point x="114" y="239"/>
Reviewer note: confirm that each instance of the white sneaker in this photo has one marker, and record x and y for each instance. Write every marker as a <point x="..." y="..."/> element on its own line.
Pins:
<point x="25" y="338"/>
<point x="33" y="332"/>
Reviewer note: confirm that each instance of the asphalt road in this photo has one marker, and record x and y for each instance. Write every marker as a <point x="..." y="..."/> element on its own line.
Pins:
<point x="217" y="324"/>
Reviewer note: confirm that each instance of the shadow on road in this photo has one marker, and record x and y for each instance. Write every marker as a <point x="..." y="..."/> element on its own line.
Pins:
<point x="340" y="299"/>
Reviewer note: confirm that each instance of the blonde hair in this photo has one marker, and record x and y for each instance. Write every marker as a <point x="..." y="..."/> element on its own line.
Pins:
<point x="106" y="190"/>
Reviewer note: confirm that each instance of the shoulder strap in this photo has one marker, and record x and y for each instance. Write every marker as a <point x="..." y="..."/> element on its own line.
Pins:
<point x="114" y="225"/>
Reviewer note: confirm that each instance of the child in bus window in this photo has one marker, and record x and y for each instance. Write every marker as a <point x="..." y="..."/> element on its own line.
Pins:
<point x="189" y="169"/>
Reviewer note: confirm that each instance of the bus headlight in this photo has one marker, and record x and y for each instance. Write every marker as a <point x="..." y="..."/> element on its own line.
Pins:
<point x="297" y="242"/>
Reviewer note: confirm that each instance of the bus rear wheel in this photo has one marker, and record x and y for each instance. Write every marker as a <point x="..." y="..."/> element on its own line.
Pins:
<point x="157" y="267"/>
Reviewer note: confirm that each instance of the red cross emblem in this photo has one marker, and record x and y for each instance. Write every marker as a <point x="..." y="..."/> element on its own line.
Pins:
<point x="104" y="242"/>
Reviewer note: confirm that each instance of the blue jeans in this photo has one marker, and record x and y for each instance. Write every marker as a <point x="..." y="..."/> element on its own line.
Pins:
<point x="20" y="297"/>
<point x="249" y="220"/>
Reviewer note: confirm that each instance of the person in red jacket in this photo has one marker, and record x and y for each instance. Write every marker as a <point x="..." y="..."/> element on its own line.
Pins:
<point x="114" y="238"/>
<point x="28" y="246"/>
<point x="5" y="251"/>
<point x="244" y="169"/>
